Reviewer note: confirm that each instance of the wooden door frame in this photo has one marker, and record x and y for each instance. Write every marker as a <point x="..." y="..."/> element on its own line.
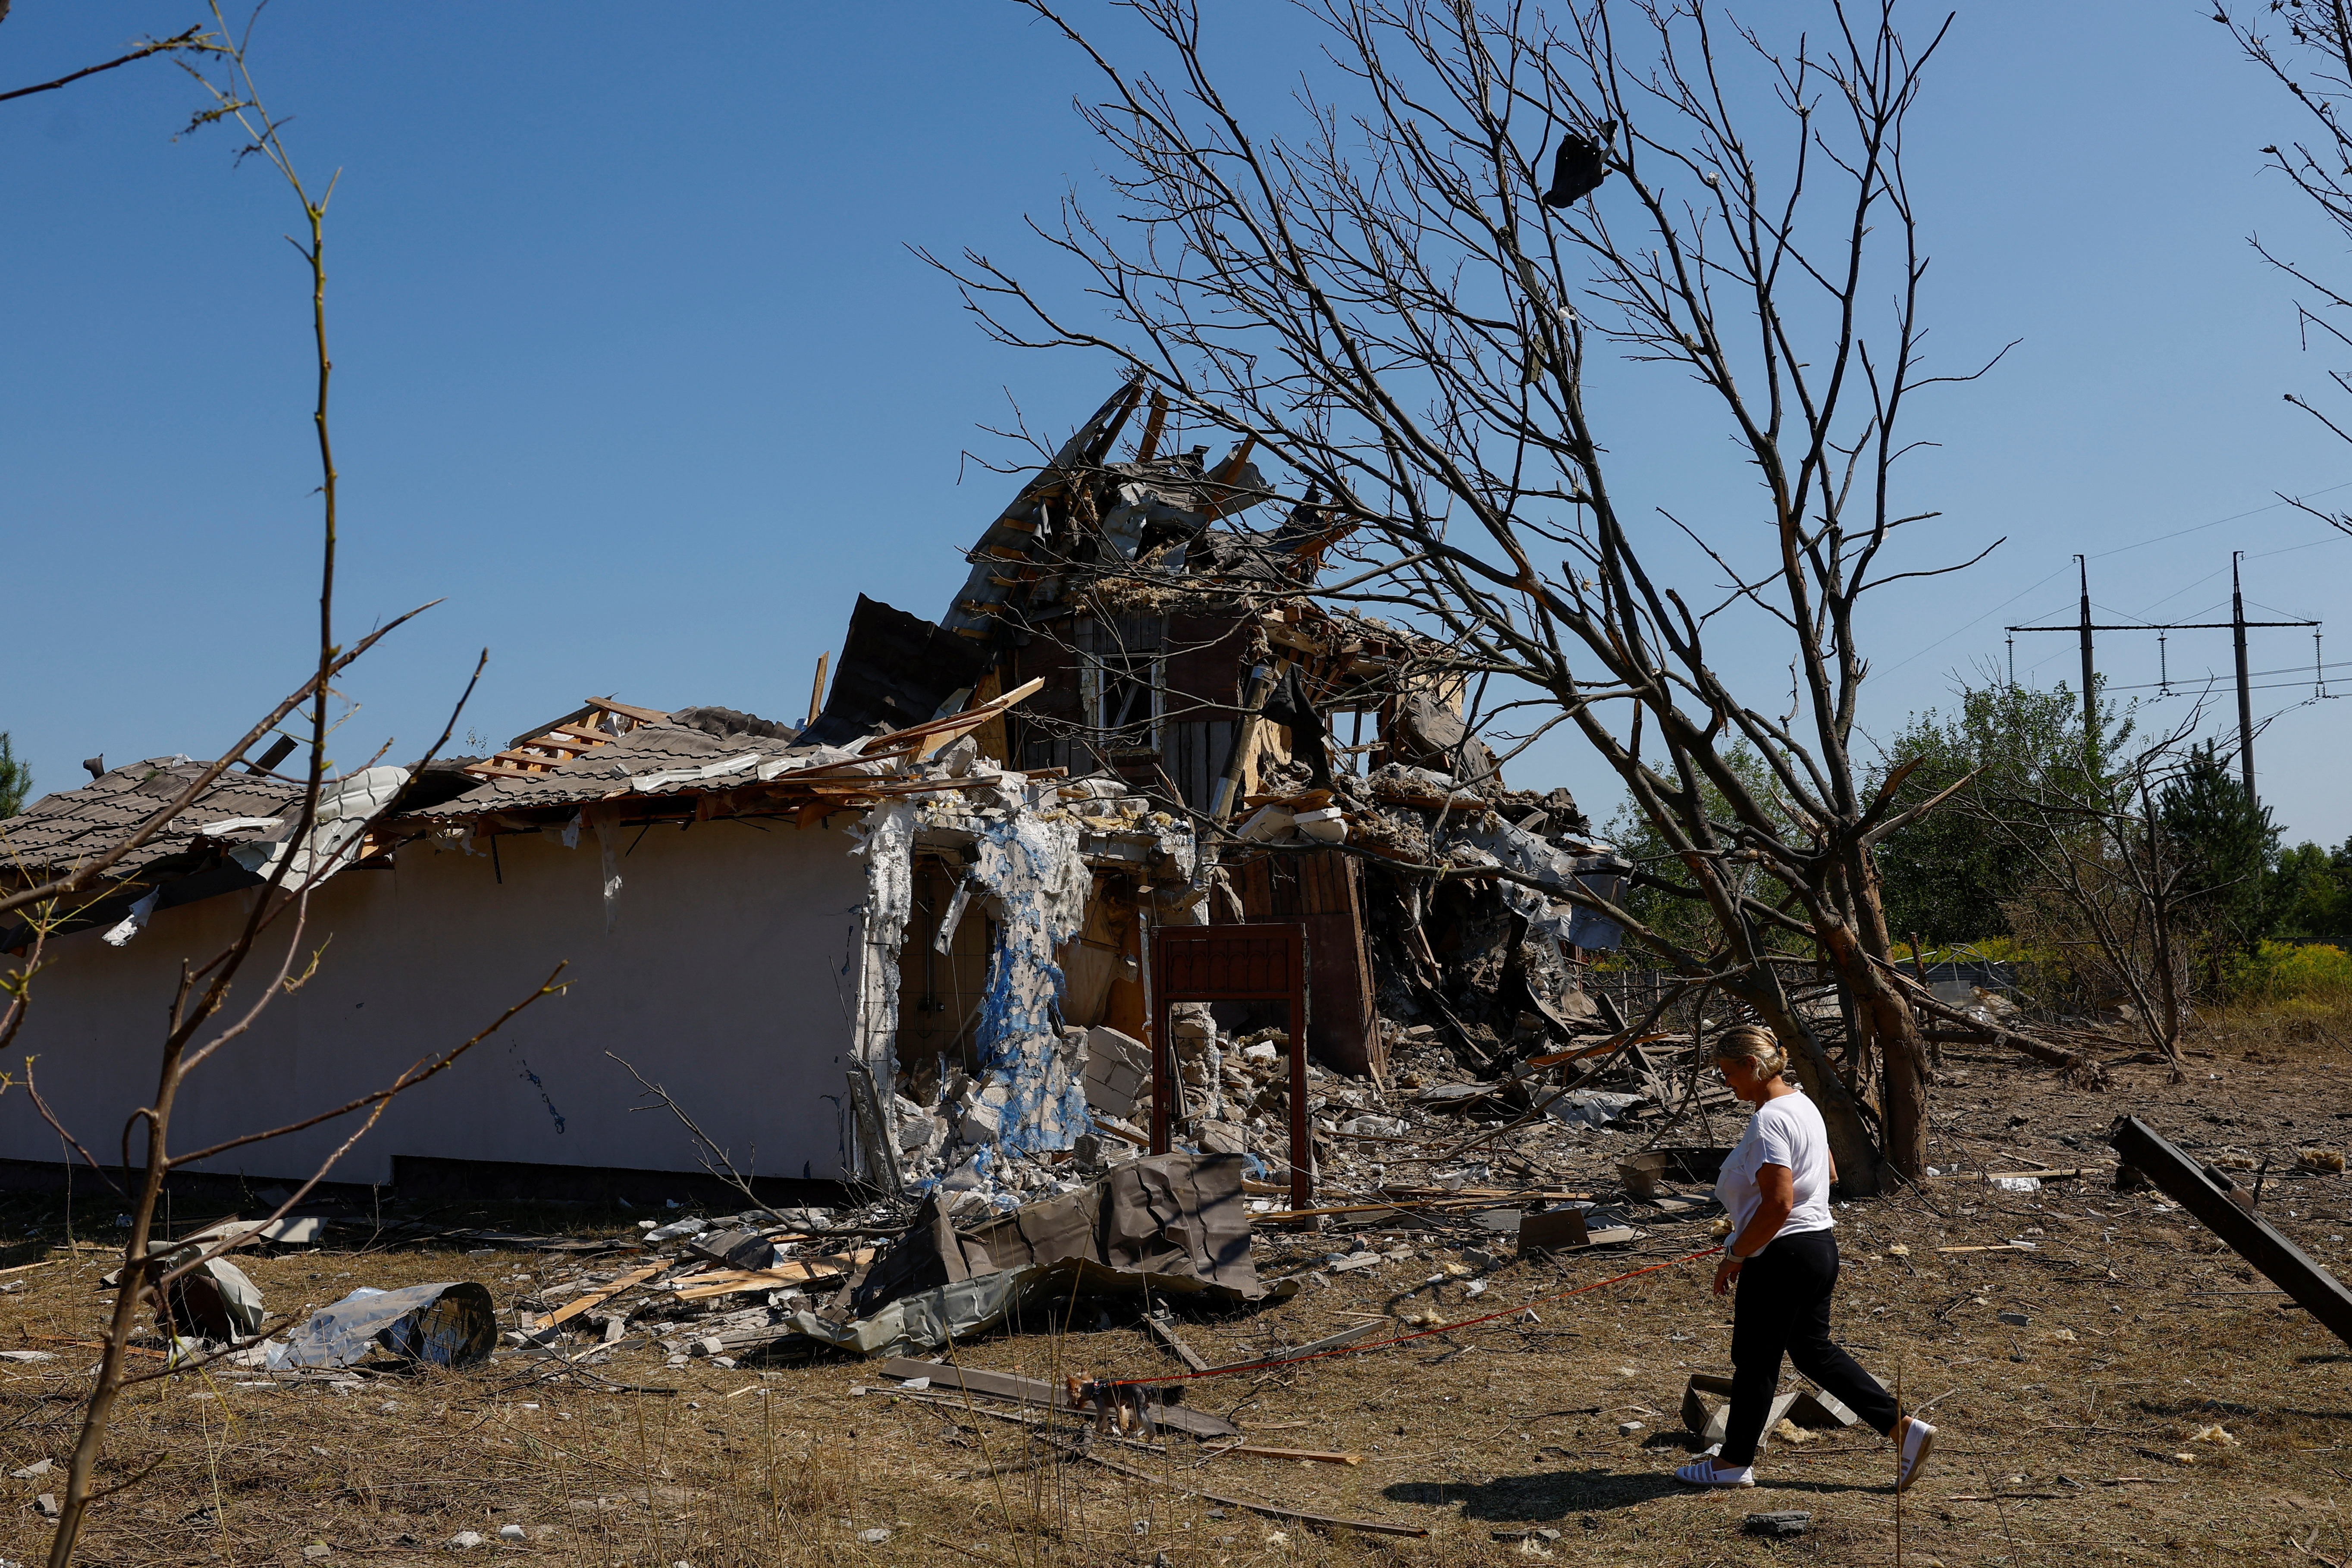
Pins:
<point x="1167" y="945"/>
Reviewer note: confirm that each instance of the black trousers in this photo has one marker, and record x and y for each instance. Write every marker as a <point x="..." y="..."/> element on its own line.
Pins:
<point x="1783" y="1307"/>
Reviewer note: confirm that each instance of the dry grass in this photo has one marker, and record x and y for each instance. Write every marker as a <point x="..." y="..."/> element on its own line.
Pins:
<point x="1497" y="1429"/>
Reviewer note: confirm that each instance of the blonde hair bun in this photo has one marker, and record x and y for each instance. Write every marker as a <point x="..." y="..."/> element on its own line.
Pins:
<point x="1749" y="1044"/>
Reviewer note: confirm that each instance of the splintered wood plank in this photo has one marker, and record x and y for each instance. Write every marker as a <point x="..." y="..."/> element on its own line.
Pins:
<point x="1300" y="1353"/>
<point x="733" y="1281"/>
<point x="646" y="715"/>
<point x="597" y="1297"/>
<point x="1174" y="1341"/>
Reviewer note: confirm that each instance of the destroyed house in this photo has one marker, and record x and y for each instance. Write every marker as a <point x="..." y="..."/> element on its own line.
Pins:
<point x="743" y="917"/>
<point x="1166" y="601"/>
<point x="907" y="942"/>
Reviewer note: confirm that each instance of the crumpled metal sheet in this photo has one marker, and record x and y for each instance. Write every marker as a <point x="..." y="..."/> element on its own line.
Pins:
<point x="1170" y="1224"/>
<point x="1592" y="1107"/>
<point x="1516" y="849"/>
<point x="452" y="1325"/>
<point x="929" y="1319"/>
<point x="894" y="669"/>
<point x="345" y="809"/>
<point x="214" y="1301"/>
<point x="1175" y="490"/>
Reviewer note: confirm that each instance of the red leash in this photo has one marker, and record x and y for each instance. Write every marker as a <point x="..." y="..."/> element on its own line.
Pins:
<point x="1407" y="1338"/>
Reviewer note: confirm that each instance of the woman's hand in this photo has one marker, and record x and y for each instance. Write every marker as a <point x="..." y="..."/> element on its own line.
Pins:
<point x="1726" y="1272"/>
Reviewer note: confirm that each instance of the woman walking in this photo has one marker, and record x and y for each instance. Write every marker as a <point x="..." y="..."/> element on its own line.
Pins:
<point x="1776" y="1186"/>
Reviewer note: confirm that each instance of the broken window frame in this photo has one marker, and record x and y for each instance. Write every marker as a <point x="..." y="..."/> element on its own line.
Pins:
<point x="1133" y="669"/>
<point x="1116" y="681"/>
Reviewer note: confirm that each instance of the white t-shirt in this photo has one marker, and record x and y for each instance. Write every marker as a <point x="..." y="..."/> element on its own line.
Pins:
<point x="1785" y="1131"/>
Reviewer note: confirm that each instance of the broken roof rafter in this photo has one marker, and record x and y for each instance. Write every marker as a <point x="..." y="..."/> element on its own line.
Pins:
<point x="577" y="732"/>
<point x="1146" y="535"/>
<point x="1015" y="530"/>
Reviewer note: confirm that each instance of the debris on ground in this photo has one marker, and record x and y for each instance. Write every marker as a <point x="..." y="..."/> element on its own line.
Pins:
<point x="1779" y="1526"/>
<point x="452" y="1325"/>
<point x="1171" y="1226"/>
<point x="214" y="1301"/>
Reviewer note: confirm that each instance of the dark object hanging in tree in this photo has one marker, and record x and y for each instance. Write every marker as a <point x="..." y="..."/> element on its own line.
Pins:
<point x="1288" y="705"/>
<point x="1577" y="168"/>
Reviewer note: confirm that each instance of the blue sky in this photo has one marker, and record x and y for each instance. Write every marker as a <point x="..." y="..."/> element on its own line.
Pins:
<point x="635" y="367"/>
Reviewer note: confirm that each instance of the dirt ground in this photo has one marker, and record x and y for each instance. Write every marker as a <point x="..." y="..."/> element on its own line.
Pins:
<point x="2073" y="1436"/>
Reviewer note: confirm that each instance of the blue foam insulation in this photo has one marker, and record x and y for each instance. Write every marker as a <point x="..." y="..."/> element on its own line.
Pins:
<point x="1030" y="863"/>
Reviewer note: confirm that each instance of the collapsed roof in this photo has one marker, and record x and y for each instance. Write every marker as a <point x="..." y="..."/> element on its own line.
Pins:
<point x="1152" y="521"/>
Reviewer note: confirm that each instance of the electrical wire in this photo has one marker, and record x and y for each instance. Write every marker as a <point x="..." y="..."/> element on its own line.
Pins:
<point x="2140" y="545"/>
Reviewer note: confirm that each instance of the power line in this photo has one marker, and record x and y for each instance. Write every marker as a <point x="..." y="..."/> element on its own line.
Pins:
<point x="2237" y="625"/>
<point x="1979" y="621"/>
<point x="2119" y="550"/>
<point x="2218" y="521"/>
<point x="2209" y="675"/>
<point x="2263" y="555"/>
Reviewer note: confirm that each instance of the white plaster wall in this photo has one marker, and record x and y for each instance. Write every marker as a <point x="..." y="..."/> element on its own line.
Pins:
<point x="723" y="980"/>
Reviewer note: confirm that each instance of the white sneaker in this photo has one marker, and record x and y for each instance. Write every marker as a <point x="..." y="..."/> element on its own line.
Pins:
<point x="1707" y="1473"/>
<point x="1918" y="1442"/>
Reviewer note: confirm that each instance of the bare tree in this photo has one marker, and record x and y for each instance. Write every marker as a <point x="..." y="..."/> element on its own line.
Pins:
<point x="191" y="40"/>
<point x="2306" y="47"/>
<point x="2106" y="889"/>
<point x="1401" y="304"/>
<point x="198" y="1028"/>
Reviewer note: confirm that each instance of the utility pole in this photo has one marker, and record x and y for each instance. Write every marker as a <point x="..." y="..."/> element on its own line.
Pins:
<point x="2245" y="693"/>
<point x="2238" y="626"/>
<point x="2090" y="696"/>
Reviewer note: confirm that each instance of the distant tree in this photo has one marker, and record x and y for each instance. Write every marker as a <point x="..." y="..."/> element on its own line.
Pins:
<point x="16" y="780"/>
<point x="2226" y="845"/>
<point x="1948" y="874"/>
<point x="2309" y="893"/>
<point x="1657" y="896"/>
<point x="2117" y="869"/>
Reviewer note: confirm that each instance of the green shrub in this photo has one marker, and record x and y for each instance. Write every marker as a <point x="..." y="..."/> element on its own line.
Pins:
<point x="2282" y="971"/>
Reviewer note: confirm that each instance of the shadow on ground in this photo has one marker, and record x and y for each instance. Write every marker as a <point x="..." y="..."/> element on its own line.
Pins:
<point x="1545" y="1495"/>
<point x="1555" y="1494"/>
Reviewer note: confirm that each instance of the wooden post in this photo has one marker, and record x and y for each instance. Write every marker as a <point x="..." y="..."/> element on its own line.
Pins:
<point x="1302" y="1134"/>
<point x="1162" y="1042"/>
<point x="1229" y="788"/>
<point x="1152" y="426"/>
<point x="2228" y="1214"/>
<point x="816" y="692"/>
